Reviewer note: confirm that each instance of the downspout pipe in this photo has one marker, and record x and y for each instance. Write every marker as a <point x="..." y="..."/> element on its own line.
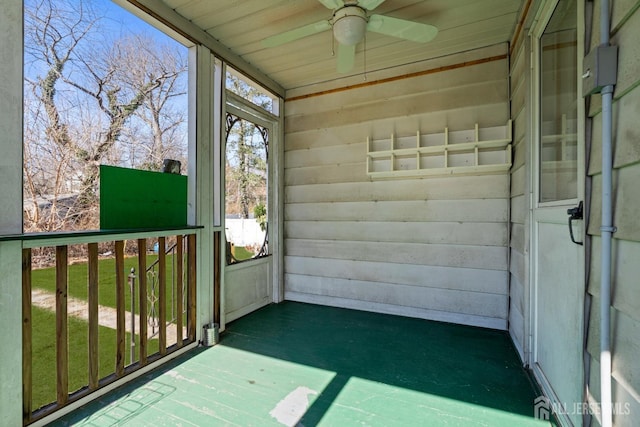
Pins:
<point x="607" y="229"/>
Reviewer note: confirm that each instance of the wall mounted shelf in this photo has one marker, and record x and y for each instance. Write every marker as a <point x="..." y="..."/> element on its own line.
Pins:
<point x="473" y="151"/>
<point x="559" y="150"/>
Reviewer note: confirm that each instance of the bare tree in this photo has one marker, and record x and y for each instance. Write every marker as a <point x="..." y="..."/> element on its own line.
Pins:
<point x="45" y="168"/>
<point x="246" y="161"/>
<point x="246" y="166"/>
<point x="83" y="91"/>
<point x="118" y="91"/>
<point x="163" y="119"/>
<point x="49" y="46"/>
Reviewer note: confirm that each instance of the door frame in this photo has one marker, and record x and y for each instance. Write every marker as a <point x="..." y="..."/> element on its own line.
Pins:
<point x="547" y="211"/>
<point x="234" y="104"/>
<point x="539" y="24"/>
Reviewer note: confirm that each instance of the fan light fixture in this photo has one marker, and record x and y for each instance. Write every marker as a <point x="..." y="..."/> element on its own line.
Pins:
<point x="349" y="25"/>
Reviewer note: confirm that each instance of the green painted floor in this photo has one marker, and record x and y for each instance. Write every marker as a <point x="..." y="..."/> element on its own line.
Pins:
<point x="307" y="365"/>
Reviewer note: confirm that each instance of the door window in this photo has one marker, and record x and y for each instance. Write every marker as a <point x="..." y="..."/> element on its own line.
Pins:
<point x="246" y="178"/>
<point x="558" y="150"/>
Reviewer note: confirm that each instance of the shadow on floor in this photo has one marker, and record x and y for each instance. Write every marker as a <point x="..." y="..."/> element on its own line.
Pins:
<point x="462" y="363"/>
<point x="352" y="367"/>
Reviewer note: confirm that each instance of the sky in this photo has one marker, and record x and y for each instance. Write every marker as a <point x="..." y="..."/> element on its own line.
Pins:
<point x="122" y="22"/>
<point x="118" y="23"/>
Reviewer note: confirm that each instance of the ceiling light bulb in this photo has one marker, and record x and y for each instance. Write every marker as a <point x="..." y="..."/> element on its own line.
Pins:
<point x="349" y="25"/>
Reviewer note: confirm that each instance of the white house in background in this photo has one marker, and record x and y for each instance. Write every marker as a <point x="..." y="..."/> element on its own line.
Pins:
<point x="424" y="179"/>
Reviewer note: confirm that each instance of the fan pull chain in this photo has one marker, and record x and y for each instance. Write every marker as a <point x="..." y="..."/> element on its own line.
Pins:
<point x="333" y="44"/>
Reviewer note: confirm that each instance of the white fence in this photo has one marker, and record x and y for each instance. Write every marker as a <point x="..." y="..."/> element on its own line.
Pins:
<point x="244" y="232"/>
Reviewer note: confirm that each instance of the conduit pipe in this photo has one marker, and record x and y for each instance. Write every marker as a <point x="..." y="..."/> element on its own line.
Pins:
<point x="606" y="230"/>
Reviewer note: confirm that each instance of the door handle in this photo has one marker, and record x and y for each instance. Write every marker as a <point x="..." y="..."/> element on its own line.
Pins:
<point x="575" y="213"/>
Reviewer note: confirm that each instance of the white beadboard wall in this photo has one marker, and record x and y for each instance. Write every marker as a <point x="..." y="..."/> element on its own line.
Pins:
<point x="432" y="248"/>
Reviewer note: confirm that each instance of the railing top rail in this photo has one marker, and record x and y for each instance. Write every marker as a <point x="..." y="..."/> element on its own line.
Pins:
<point x="167" y="251"/>
<point x="35" y="240"/>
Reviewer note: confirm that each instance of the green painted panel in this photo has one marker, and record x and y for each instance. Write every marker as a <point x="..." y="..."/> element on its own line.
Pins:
<point x="131" y="198"/>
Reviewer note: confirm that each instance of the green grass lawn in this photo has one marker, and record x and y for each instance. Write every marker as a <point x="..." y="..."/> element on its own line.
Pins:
<point x="44" y="332"/>
<point x="45" y="279"/>
<point x="241" y="254"/>
<point x="44" y="354"/>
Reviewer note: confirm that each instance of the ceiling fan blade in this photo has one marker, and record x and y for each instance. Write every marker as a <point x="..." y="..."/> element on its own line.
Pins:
<point x="370" y="4"/>
<point x="298" y="33"/>
<point x="332" y="4"/>
<point x="401" y="28"/>
<point x="346" y="58"/>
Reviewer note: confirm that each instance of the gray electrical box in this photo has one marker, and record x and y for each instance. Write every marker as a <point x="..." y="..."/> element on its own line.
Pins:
<point x="599" y="69"/>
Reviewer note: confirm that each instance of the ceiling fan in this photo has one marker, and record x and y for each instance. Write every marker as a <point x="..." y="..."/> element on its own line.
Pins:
<point x="349" y="22"/>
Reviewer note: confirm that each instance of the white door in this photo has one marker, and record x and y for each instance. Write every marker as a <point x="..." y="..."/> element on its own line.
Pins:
<point x="249" y="271"/>
<point x="558" y="262"/>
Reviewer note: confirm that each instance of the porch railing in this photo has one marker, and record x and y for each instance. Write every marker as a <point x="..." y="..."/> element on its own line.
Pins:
<point x="177" y="286"/>
<point x="103" y="273"/>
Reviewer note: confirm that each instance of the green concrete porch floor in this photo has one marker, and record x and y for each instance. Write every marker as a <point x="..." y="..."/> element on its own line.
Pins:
<point x="307" y="365"/>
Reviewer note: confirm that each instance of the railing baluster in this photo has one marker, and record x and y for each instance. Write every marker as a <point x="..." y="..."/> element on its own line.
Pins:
<point x="62" y="355"/>
<point x="27" y="368"/>
<point x="216" y="276"/>
<point x="162" y="297"/>
<point x="92" y="273"/>
<point x="191" y="293"/>
<point x="120" y="309"/>
<point x="179" y="294"/>
<point x="142" y="284"/>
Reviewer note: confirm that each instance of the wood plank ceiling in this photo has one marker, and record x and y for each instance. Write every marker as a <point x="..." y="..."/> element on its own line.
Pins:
<point x="241" y="25"/>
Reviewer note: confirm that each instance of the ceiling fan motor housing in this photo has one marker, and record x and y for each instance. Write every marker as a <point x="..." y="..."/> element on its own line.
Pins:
<point x="349" y="25"/>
